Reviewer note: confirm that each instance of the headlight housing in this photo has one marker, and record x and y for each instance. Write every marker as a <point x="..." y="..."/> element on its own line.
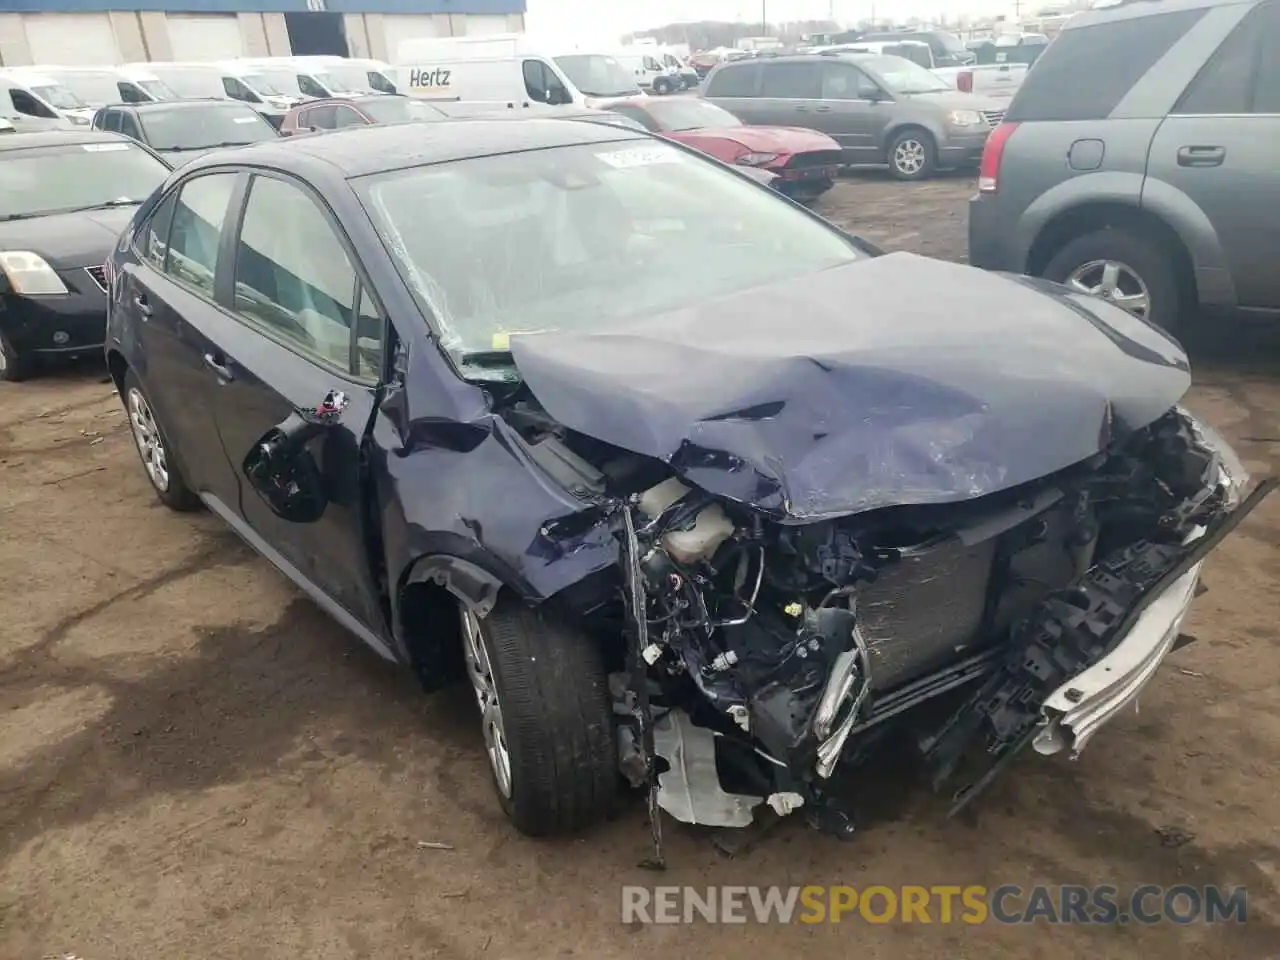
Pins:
<point x="1233" y="478"/>
<point x="757" y="159"/>
<point x="29" y="275"/>
<point x="965" y="118"/>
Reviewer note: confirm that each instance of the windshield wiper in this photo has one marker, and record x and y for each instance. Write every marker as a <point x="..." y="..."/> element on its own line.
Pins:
<point x="487" y="358"/>
<point x="105" y="205"/>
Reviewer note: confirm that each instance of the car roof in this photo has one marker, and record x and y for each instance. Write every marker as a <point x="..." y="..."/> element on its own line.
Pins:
<point x="183" y="104"/>
<point x="361" y="151"/>
<point x="1133" y="9"/>
<point x="57" y="138"/>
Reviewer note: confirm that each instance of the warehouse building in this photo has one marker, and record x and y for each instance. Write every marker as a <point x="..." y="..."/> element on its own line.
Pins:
<point x="95" y="32"/>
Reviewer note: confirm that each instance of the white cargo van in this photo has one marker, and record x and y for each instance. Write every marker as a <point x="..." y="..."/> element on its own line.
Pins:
<point x="510" y="69"/>
<point x="268" y="89"/>
<point x="36" y="98"/>
<point x="651" y="74"/>
<point x="99" y="86"/>
<point x="346" y="75"/>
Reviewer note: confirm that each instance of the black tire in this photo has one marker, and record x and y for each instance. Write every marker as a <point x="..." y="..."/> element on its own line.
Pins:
<point x="928" y="153"/>
<point x="557" y="719"/>
<point x="175" y="494"/>
<point x="14" y="368"/>
<point x="1145" y="256"/>
<point x="661" y="86"/>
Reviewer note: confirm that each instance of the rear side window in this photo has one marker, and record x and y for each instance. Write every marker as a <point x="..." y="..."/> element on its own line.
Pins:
<point x="734" y="80"/>
<point x="1086" y="72"/>
<point x="792" y="81"/>
<point x="196" y="231"/>
<point x="1243" y="75"/>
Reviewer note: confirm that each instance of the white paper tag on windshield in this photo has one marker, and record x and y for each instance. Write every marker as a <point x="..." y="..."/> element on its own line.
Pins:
<point x="244" y="119"/>
<point x="104" y="147"/>
<point x="640" y="156"/>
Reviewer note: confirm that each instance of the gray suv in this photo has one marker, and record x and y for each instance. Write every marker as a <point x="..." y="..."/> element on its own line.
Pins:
<point x="880" y="109"/>
<point x="1138" y="161"/>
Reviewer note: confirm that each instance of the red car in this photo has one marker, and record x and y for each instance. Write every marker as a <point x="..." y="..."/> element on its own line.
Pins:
<point x="805" y="162"/>
<point x="334" y="113"/>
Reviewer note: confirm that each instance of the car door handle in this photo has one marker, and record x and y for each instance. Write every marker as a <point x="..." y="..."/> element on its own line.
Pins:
<point x="218" y="364"/>
<point x="1201" y="156"/>
<point x="822" y="109"/>
<point x="140" y="304"/>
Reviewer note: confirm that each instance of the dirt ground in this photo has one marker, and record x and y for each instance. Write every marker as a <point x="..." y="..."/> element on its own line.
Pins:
<point x="195" y="762"/>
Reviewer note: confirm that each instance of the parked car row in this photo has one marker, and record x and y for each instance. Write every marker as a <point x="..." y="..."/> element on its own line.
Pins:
<point x="49" y="96"/>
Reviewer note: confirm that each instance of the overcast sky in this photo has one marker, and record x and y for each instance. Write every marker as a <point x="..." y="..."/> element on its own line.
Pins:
<point x="589" y="18"/>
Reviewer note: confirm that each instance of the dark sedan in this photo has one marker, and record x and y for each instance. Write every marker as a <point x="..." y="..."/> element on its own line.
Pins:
<point x="181" y="130"/>
<point x="665" y="465"/>
<point x="64" y="198"/>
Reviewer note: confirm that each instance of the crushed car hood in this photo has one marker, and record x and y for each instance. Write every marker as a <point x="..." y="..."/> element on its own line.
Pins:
<point x="779" y="140"/>
<point x="893" y="380"/>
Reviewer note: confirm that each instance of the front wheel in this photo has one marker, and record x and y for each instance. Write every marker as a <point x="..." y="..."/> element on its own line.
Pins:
<point x="13" y="367"/>
<point x="913" y="155"/>
<point x="661" y="87"/>
<point x="546" y="716"/>
<point x="1126" y="269"/>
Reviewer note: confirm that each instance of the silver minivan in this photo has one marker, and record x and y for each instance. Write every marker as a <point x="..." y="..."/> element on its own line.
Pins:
<point x="879" y="108"/>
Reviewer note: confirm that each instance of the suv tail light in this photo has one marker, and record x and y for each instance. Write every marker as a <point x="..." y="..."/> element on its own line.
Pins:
<point x="992" y="154"/>
<point x="964" y="81"/>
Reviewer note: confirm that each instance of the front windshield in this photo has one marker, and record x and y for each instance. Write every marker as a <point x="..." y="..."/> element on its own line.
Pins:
<point x="75" y="176"/>
<point x="58" y="96"/>
<point x="951" y="43"/>
<point x="686" y="113"/>
<point x="95" y="87"/>
<point x="581" y="238"/>
<point x="272" y="83"/>
<point x="902" y="76"/>
<point x="196" y="83"/>
<point x="597" y="76"/>
<point x="334" y="83"/>
<point x="399" y="109"/>
<point x="198" y="128"/>
<point x="157" y="89"/>
<point x="344" y="79"/>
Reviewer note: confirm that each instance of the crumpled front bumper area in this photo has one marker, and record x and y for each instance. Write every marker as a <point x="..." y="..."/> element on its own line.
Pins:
<point x="1078" y="708"/>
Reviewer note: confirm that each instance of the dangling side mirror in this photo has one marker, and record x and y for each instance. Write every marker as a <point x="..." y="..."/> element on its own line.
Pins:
<point x="282" y="470"/>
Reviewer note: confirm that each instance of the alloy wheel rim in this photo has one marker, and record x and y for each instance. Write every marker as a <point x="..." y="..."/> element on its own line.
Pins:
<point x="1114" y="282"/>
<point x="480" y="673"/>
<point x="147" y="436"/>
<point x="908" y="156"/>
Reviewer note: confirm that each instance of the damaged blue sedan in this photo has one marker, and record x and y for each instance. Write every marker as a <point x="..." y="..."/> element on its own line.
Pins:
<point x="695" y="490"/>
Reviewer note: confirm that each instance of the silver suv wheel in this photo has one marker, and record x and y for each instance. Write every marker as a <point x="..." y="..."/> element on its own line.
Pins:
<point x="1114" y="282"/>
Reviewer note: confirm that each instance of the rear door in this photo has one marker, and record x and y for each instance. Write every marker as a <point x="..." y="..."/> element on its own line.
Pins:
<point x="169" y="290"/>
<point x="301" y="324"/>
<point x="1218" y="147"/>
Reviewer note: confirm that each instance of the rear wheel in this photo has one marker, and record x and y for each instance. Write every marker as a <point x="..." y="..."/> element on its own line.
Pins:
<point x="13" y="367"/>
<point x="1132" y="271"/>
<point x="546" y="717"/>
<point x="154" y="449"/>
<point x="662" y="86"/>
<point x="913" y="155"/>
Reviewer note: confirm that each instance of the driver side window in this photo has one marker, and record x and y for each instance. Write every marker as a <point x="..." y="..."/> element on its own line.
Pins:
<point x="24" y="102"/>
<point x="842" y="81"/>
<point x="542" y="85"/>
<point x="299" y="286"/>
<point x="309" y="87"/>
<point x="238" y="91"/>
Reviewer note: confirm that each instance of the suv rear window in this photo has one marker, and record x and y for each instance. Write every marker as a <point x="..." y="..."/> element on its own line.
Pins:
<point x="734" y="80"/>
<point x="1086" y="72"/>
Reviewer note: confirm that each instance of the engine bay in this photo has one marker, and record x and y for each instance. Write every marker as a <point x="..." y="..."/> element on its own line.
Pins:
<point x="765" y="653"/>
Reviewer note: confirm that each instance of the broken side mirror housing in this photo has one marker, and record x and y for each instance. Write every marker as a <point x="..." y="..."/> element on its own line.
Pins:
<point x="283" y="471"/>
